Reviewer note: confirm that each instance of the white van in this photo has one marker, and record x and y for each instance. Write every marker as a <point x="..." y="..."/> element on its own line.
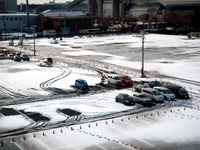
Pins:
<point x="114" y="79"/>
<point x="107" y="72"/>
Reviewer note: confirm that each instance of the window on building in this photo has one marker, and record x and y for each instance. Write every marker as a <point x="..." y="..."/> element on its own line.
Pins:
<point x="16" y="18"/>
<point x="11" y="19"/>
<point x="20" y="19"/>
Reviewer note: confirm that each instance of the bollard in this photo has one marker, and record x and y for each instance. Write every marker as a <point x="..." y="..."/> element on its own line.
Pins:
<point x="129" y="118"/>
<point x="1" y="143"/>
<point x="89" y="126"/>
<point x="43" y="134"/>
<point x="136" y="117"/>
<point x="106" y="122"/>
<point x="34" y="135"/>
<point x="96" y="124"/>
<point x="13" y="139"/>
<point x="113" y="121"/>
<point x="24" y="137"/>
<point x="61" y="130"/>
<point x="53" y="132"/>
<point x="80" y="127"/>
<point x="122" y="119"/>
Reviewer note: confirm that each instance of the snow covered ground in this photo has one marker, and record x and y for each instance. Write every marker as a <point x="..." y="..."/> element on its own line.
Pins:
<point x="173" y="126"/>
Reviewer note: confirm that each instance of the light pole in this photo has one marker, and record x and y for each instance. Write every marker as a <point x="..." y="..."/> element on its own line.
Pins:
<point x="33" y="28"/>
<point x="22" y="27"/>
<point x="142" y="69"/>
<point x="3" y="31"/>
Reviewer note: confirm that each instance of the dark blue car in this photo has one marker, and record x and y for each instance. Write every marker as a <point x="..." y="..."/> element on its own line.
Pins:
<point x="81" y="84"/>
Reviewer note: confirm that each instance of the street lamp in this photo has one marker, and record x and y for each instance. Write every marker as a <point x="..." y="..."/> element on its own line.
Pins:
<point x="33" y="28"/>
<point x="142" y="69"/>
<point x="22" y="27"/>
<point x="3" y="31"/>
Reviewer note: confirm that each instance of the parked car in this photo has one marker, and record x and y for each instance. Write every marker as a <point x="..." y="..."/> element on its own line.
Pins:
<point x="141" y="98"/>
<point x="153" y="94"/>
<point x="2" y="56"/>
<point x="126" y="80"/>
<point x="125" y="99"/>
<point x="17" y="57"/>
<point x="10" y="56"/>
<point x="168" y="94"/>
<point x="155" y="83"/>
<point x="139" y="87"/>
<point x="107" y="72"/>
<point x="179" y="91"/>
<point x="114" y="79"/>
<point x="81" y="84"/>
<point x="25" y="57"/>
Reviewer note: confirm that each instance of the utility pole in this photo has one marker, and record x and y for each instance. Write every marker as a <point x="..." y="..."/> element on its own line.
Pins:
<point x="142" y="69"/>
<point x="27" y="12"/>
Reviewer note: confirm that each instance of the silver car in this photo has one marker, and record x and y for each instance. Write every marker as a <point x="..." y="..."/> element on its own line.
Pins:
<point x="141" y="98"/>
<point x="153" y="94"/>
<point x="168" y="95"/>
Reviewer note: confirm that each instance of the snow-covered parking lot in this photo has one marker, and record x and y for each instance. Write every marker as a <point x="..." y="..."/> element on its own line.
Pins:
<point x="43" y="120"/>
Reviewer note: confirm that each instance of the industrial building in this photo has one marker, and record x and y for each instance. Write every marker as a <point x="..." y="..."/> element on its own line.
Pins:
<point x="8" y="6"/>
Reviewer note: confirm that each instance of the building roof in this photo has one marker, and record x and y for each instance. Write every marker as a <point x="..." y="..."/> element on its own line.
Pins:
<point x="168" y="3"/>
<point x="50" y="13"/>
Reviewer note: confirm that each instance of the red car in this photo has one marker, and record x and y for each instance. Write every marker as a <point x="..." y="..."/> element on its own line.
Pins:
<point x="126" y="80"/>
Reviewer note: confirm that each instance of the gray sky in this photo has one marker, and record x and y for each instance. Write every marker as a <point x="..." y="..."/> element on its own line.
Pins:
<point x="41" y="1"/>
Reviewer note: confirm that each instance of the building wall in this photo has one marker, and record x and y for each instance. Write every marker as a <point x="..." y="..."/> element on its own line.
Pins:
<point x="10" y="5"/>
<point x="14" y="22"/>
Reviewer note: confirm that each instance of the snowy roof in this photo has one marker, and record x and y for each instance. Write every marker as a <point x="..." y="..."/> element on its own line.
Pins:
<point x="50" y="13"/>
<point x="179" y="2"/>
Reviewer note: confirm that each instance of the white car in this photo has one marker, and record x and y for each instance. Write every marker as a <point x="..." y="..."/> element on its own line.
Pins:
<point x="168" y="94"/>
<point x="153" y="94"/>
<point x="45" y="63"/>
<point x="114" y="79"/>
<point x="107" y="72"/>
<point x="141" y="98"/>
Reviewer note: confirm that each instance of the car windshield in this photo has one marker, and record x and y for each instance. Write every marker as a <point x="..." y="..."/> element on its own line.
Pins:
<point x="83" y="82"/>
<point x="142" y="96"/>
<point x="181" y="90"/>
<point x="113" y="72"/>
<point x="116" y="78"/>
<point x="167" y="91"/>
<point x="155" y="93"/>
<point x="127" y="78"/>
<point x="127" y="96"/>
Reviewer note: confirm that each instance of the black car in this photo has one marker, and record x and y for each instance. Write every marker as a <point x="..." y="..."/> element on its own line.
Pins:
<point x="25" y="57"/>
<point x="125" y="99"/>
<point x="17" y="58"/>
<point x="179" y="91"/>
